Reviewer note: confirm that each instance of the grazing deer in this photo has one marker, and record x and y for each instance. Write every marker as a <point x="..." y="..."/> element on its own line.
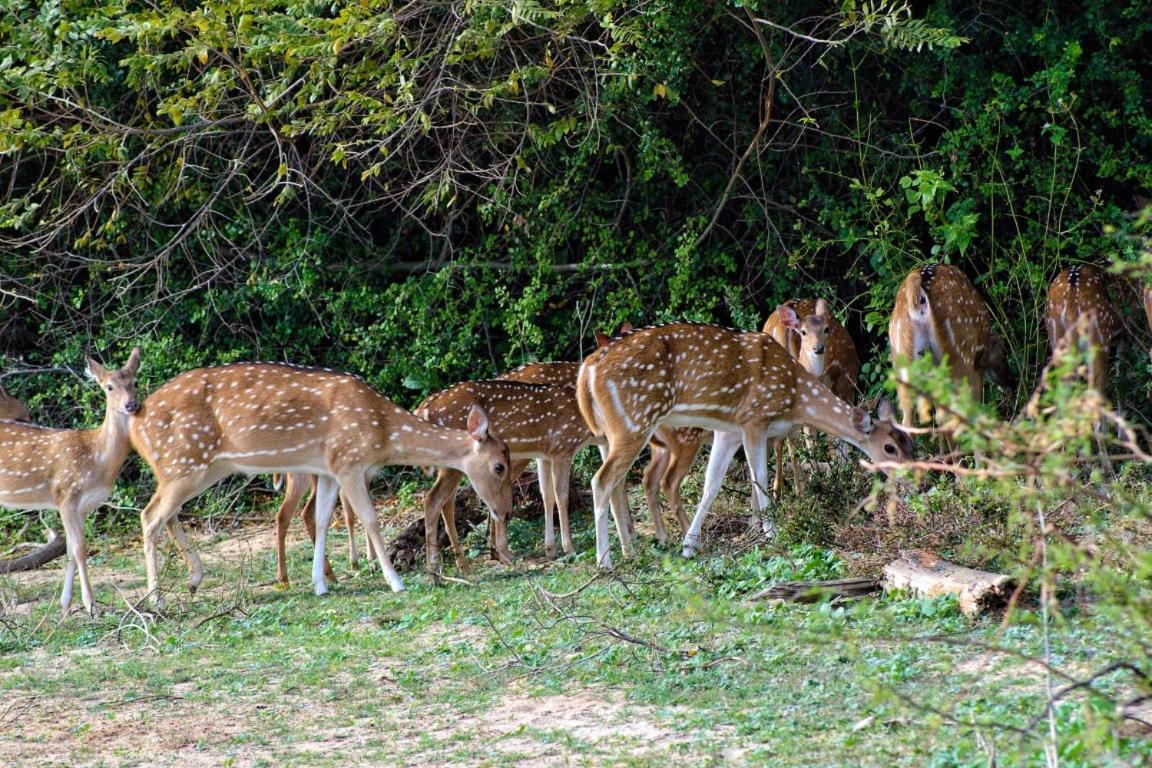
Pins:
<point x="71" y="470"/>
<point x="817" y="340"/>
<point x="12" y="409"/>
<point x="537" y="421"/>
<point x="1078" y="313"/>
<point x="938" y="312"/>
<point x="295" y="487"/>
<point x="673" y="450"/>
<point x="741" y="385"/>
<point x="260" y="418"/>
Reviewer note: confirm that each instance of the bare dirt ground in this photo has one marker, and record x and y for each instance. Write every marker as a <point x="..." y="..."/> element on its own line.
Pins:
<point x="55" y="726"/>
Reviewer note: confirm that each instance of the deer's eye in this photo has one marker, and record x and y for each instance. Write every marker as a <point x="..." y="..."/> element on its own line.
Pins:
<point x="108" y="387"/>
<point x="498" y="468"/>
<point x="889" y="449"/>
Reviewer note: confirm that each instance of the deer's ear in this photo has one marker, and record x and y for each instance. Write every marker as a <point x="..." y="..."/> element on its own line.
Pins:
<point x="133" y="364"/>
<point x="821" y="308"/>
<point x="94" y="369"/>
<point x="862" y="421"/>
<point x="626" y="328"/>
<point x="601" y="340"/>
<point x="885" y="411"/>
<point x="478" y="423"/>
<point x="788" y="317"/>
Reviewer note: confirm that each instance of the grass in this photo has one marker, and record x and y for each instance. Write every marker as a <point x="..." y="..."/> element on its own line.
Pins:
<point x="666" y="661"/>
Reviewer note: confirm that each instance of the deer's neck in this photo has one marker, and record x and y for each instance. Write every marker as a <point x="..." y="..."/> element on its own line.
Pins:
<point x="109" y="441"/>
<point x="416" y="442"/>
<point x="818" y="407"/>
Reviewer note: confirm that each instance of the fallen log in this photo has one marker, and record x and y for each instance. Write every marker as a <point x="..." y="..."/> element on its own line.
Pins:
<point x="818" y="591"/>
<point x="926" y="574"/>
<point x="38" y="557"/>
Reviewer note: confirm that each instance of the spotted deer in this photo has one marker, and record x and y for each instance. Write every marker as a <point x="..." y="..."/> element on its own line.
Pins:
<point x="537" y="421"/>
<point x="1082" y="290"/>
<point x="261" y="418"/>
<point x="939" y="313"/>
<point x="71" y="470"/>
<point x="743" y="386"/>
<point x="12" y="409"/>
<point x="816" y="339"/>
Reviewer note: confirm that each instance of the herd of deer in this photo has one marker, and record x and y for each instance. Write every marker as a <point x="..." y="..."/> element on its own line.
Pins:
<point x="670" y="387"/>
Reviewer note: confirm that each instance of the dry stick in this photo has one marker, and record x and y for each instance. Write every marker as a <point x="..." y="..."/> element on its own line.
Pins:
<point x="16" y="710"/>
<point x="503" y="642"/>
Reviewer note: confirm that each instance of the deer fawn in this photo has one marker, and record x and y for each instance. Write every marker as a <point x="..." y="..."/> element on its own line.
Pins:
<point x="741" y="385"/>
<point x="259" y="418"/>
<point x="938" y="312"/>
<point x="538" y="421"/>
<point x="12" y="409"/>
<point x="71" y="470"/>
<point x="814" y="338"/>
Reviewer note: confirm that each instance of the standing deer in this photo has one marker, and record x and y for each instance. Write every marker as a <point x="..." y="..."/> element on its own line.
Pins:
<point x="741" y="385"/>
<point x="1081" y="291"/>
<point x="939" y="313"/>
<point x="260" y="418"/>
<point x="537" y="421"/>
<point x="817" y="340"/>
<point x="71" y="470"/>
<point x="12" y="409"/>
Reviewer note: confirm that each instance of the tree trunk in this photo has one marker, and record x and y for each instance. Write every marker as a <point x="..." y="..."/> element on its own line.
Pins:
<point x="37" y="558"/>
<point x="926" y="574"/>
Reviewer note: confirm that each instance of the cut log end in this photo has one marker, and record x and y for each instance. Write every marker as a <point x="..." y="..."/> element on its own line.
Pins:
<point x="928" y="575"/>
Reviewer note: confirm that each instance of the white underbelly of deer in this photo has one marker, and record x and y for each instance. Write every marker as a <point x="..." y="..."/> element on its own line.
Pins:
<point x="684" y="418"/>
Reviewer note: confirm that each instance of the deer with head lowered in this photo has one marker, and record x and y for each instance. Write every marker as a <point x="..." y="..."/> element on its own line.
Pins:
<point x="815" y="338"/>
<point x="939" y="313"/>
<point x="12" y="409"/>
<point x="538" y="421"/>
<point x="71" y="470"/>
<point x="743" y="386"/>
<point x="261" y="418"/>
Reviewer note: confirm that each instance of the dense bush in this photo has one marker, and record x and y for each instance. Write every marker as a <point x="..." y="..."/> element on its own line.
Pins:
<point x="442" y="191"/>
